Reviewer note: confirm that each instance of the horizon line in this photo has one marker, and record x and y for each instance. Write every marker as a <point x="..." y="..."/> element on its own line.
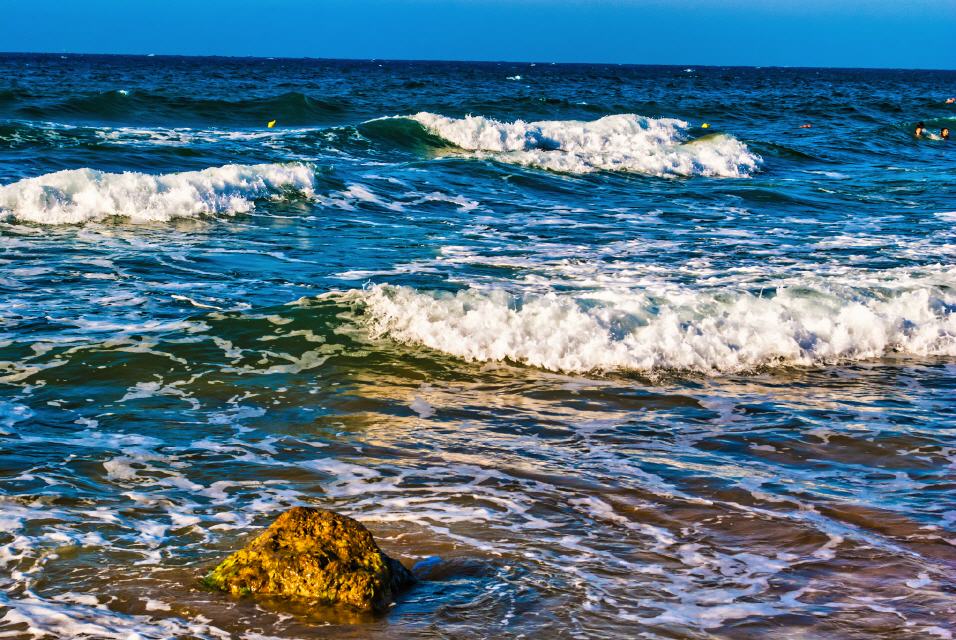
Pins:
<point x="459" y="61"/>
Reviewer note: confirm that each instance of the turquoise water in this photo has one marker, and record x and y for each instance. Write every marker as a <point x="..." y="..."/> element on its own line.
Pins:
<point x="597" y="370"/>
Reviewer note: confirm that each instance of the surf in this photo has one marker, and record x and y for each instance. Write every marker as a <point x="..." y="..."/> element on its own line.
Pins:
<point x="805" y="322"/>
<point x="628" y="143"/>
<point x="78" y="196"/>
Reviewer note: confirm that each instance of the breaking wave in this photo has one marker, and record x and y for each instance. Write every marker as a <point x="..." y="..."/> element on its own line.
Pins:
<point x="83" y="195"/>
<point x="705" y="332"/>
<point x="624" y="142"/>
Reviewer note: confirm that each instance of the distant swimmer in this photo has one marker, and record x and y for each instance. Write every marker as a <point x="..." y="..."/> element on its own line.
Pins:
<point x="920" y="129"/>
<point x="944" y="133"/>
<point x="950" y="100"/>
<point x="806" y="126"/>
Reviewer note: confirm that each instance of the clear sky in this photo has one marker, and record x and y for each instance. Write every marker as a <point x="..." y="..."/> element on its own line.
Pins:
<point x="867" y="33"/>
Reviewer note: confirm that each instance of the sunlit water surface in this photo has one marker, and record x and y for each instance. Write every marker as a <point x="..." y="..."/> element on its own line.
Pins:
<point x="594" y="378"/>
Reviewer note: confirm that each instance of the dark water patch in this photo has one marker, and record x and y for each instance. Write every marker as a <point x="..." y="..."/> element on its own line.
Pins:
<point x="765" y="195"/>
<point x="403" y="133"/>
<point x="10" y="97"/>
<point x="535" y="107"/>
<point x="142" y="107"/>
<point x="791" y="151"/>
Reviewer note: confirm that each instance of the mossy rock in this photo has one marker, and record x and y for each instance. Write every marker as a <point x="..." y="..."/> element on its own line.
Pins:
<point x="317" y="555"/>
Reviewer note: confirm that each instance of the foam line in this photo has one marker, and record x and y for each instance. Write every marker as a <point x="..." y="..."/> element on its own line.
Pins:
<point x="702" y="331"/>
<point x="623" y="142"/>
<point x="83" y="195"/>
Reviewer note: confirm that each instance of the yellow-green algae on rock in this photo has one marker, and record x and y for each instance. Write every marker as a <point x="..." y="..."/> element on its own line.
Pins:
<point x="314" y="554"/>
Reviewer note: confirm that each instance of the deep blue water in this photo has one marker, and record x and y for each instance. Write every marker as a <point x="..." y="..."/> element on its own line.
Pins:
<point x="602" y="370"/>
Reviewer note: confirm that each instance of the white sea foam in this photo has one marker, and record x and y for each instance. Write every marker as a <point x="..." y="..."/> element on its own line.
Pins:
<point x="10" y="414"/>
<point x="624" y="142"/>
<point x="32" y="617"/>
<point x="83" y="195"/>
<point x="706" y="331"/>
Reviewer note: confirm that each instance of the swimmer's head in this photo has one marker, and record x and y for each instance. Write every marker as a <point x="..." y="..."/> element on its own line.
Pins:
<point x="944" y="133"/>
<point x="919" y="128"/>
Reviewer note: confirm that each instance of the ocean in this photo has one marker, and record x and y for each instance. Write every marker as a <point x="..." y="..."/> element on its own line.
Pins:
<point x="595" y="369"/>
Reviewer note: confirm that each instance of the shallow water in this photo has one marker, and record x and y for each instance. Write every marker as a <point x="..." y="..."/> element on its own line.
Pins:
<point x="599" y="374"/>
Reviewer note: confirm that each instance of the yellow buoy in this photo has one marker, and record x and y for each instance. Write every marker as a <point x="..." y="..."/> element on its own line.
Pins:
<point x="271" y="124"/>
<point x="705" y="126"/>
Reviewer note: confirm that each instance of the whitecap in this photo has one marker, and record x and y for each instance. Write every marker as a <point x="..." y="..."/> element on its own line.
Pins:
<point x="804" y="323"/>
<point x="82" y="195"/>
<point x="623" y="142"/>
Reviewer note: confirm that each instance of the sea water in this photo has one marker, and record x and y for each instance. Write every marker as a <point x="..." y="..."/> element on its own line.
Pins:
<point x="596" y="369"/>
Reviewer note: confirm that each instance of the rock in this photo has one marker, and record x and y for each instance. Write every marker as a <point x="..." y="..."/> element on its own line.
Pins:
<point x="314" y="554"/>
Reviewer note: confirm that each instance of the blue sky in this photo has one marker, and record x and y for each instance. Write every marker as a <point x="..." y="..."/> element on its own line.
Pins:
<point x="871" y="33"/>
